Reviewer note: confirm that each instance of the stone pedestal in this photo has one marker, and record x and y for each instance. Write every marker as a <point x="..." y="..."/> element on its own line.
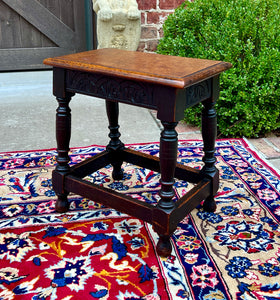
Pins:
<point x="118" y="24"/>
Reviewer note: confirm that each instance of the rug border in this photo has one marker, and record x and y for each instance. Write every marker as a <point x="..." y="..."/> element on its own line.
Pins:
<point x="251" y="148"/>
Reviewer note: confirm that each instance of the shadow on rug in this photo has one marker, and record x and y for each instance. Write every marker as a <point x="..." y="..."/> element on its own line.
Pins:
<point x="93" y="252"/>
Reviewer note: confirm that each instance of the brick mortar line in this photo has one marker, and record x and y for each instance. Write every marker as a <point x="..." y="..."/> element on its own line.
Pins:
<point x="159" y="10"/>
<point x="190" y="132"/>
<point x="158" y="4"/>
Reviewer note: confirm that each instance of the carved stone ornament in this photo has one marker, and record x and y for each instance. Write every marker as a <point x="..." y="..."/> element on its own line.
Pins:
<point x="118" y="24"/>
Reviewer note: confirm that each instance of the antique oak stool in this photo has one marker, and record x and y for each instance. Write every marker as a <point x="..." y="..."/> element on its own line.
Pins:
<point x="163" y="83"/>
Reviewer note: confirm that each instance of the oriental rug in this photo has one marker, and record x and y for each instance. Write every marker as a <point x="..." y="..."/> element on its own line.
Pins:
<point x="94" y="252"/>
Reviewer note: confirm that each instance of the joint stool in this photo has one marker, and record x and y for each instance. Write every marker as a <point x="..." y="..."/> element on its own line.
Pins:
<point x="163" y="83"/>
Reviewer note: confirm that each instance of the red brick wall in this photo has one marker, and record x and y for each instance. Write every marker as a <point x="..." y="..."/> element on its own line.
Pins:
<point x="153" y="15"/>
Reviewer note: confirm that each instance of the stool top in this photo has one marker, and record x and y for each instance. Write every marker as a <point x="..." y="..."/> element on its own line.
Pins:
<point x="174" y="71"/>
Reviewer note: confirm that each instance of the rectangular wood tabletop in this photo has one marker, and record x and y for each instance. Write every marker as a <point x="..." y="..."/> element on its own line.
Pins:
<point x="174" y="71"/>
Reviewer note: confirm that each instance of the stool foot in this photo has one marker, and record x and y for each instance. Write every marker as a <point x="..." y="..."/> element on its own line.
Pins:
<point x="164" y="247"/>
<point x="117" y="173"/>
<point x="209" y="204"/>
<point x="62" y="204"/>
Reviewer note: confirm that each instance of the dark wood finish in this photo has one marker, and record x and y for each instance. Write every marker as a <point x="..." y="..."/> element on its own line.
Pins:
<point x="209" y="133"/>
<point x="63" y="133"/>
<point x="168" y="159"/>
<point x="35" y="29"/>
<point x="165" y="83"/>
<point x="115" y="146"/>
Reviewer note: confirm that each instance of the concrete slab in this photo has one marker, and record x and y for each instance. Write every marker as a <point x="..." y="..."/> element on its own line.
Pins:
<point x="27" y="116"/>
<point x="268" y="149"/>
<point x="276" y="164"/>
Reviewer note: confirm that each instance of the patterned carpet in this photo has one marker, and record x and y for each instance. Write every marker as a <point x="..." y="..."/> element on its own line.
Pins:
<point x="93" y="252"/>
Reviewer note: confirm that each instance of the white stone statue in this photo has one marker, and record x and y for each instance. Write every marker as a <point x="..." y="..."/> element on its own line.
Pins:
<point x="118" y="24"/>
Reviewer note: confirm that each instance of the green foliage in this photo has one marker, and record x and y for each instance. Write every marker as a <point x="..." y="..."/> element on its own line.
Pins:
<point x="245" y="33"/>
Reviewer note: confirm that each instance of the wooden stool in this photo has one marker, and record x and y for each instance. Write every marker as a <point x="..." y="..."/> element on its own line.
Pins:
<point x="164" y="83"/>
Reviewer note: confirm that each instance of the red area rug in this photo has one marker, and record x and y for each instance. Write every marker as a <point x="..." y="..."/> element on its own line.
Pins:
<point x="93" y="252"/>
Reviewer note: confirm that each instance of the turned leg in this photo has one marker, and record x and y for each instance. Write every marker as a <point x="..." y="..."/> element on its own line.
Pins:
<point x="168" y="160"/>
<point x="164" y="247"/>
<point x="63" y="132"/>
<point x="115" y="145"/>
<point x="209" y="133"/>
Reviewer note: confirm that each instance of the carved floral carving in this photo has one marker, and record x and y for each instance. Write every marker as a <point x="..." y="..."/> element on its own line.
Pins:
<point x="111" y="88"/>
<point x="198" y="92"/>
